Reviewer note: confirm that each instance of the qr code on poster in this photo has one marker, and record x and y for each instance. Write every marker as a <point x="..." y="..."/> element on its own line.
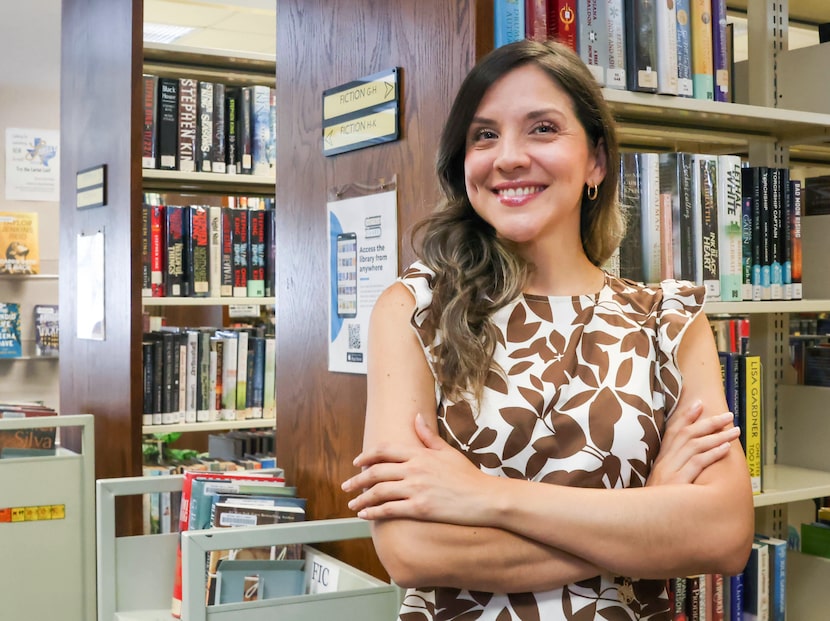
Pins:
<point x="354" y="336"/>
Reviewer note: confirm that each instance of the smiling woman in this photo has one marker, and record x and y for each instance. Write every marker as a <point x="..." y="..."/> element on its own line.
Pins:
<point x="541" y="437"/>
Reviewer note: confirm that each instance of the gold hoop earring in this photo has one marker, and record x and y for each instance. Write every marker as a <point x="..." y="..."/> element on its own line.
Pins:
<point x="593" y="192"/>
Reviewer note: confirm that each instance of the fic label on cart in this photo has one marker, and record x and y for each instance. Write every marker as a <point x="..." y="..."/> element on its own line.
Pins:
<point x="36" y="513"/>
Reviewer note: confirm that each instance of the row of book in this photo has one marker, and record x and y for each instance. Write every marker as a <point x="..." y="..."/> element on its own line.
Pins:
<point x="208" y="251"/>
<point x="810" y="349"/>
<point x="708" y="219"/>
<point x="45" y="327"/>
<point x="19" y="243"/>
<point x="679" y="48"/>
<point x="208" y="374"/>
<point x="202" y="126"/>
<point x="758" y="593"/>
<point x="32" y="442"/>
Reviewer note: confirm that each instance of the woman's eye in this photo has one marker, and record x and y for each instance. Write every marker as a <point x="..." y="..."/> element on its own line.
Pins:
<point x="545" y="128"/>
<point x="484" y="134"/>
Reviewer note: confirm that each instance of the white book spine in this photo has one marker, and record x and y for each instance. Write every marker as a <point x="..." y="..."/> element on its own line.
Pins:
<point x="192" y="376"/>
<point x="242" y="375"/>
<point x="215" y="251"/>
<point x="730" y="242"/>
<point x="229" y="362"/>
<point x="615" y="75"/>
<point x="213" y="411"/>
<point x="592" y="38"/>
<point x="666" y="47"/>
<point x="650" y="216"/>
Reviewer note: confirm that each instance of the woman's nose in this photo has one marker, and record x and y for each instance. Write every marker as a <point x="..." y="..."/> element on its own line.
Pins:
<point x="512" y="154"/>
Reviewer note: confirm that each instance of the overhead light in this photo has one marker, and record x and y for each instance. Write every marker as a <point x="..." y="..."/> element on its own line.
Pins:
<point x="164" y="33"/>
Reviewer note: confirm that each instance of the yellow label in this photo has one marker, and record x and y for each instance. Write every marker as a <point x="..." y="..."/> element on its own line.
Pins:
<point x="18" y="514"/>
<point x="361" y="129"/>
<point x="58" y="512"/>
<point x="30" y="514"/>
<point x="44" y="512"/>
<point x="359" y="97"/>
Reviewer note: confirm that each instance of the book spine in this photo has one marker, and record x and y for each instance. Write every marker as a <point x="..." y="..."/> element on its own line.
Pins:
<point x="232" y="163"/>
<point x="666" y="27"/>
<point x="168" y="123"/>
<point x="204" y="141"/>
<point x="158" y="381"/>
<point x="730" y="242"/>
<point x="717" y="600"/>
<point x="239" y="218"/>
<point x="765" y="234"/>
<point x="219" y="152"/>
<point x="180" y="379"/>
<point x="746" y="247"/>
<point x="169" y="413"/>
<point x="270" y="252"/>
<point x="736" y="597"/>
<point x="703" y="78"/>
<point x="203" y="390"/>
<point x="147" y="377"/>
<point x="257" y="382"/>
<point x="752" y="425"/>
<point x="242" y="374"/>
<point x="226" y="283"/>
<point x="776" y="279"/>
<point x="720" y="55"/>
<point x="174" y="266"/>
<point x="244" y="127"/>
<point x="777" y="552"/>
<point x="214" y="251"/>
<point x="667" y="267"/>
<point x="149" y="137"/>
<point x="187" y="252"/>
<point x="256" y="253"/>
<point x="631" y="255"/>
<point x="708" y="173"/>
<point x="269" y="395"/>
<point x="563" y="21"/>
<point x="786" y="235"/>
<point x="217" y="344"/>
<point x="685" y="85"/>
<point x="192" y="377"/>
<point x="650" y="219"/>
<point x="508" y="21"/>
<point x="615" y="21"/>
<point x="536" y="20"/>
<point x="641" y="45"/>
<point x="200" y="265"/>
<point x="592" y="37"/>
<point x="229" y="370"/>
<point x="188" y="122"/>
<point x="796" y="198"/>
<point x="260" y="129"/>
<point x="146" y="258"/>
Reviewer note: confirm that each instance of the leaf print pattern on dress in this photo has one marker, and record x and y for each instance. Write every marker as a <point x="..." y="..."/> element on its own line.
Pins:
<point x="582" y="399"/>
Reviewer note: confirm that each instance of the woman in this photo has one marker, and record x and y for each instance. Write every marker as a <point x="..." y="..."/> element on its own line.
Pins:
<point x="518" y="462"/>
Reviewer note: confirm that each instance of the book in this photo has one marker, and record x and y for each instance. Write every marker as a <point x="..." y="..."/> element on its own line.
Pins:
<point x="232" y="97"/>
<point x="149" y="135"/>
<point x="676" y="183"/>
<point x="188" y="124"/>
<point x="716" y="600"/>
<point x="703" y="77"/>
<point x="685" y="87"/>
<point x="562" y="22"/>
<point x="630" y="255"/>
<point x="204" y="133"/>
<point x="720" y="52"/>
<point x="536" y="20"/>
<point x="203" y="377"/>
<point x="756" y="584"/>
<point x="19" y="243"/>
<point x="239" y="236"/>
<point x="269" y="396"/>
<point x="261" y="163"/>
<point x="219" y="153"/>
<point x="666" y="27"/>
<point x="30" y="442"/>
<point x="197" y="251"/>
<point x="706" y="192"/>
<point x="753" y="191"/>
<point x="242" y="338"/>
<point x="651" y="218"/>
<point x="256" y="253"/>
<point x="214" y="251"/>
<point x="677" y="598"/>
<point x="776" y="230"/>
<point x="244" y="127"/>
<point x="730" y="236"/>
<point x="508" y="21"/>
<point x="146" y="235"/>
<point x="46" y="320"/>
<point x="777" y="552"/>
<point x="592" y="37"/>
<point x="615" y="76"/>
<point x="216" y="370"/>
<point x="227" y="249"/>
<point x="230" y="361"/>
<point x="746" y="246"/>
<point x="641" y="45"/>
<point x="785" y="239"/>
<point x="752" y="417"/>
<point x="174" y="229"/>
<point x="796" y="210"/>
<point x="735" y="599"/>
<point x="270" y="251"/>
<point x="10" y="341"/>
<point x="168" y="123"/>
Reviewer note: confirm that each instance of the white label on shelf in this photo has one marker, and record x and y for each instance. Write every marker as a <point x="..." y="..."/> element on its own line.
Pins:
<point x="243" y="310"/>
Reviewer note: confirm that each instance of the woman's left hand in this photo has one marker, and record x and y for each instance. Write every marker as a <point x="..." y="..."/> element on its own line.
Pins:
<point x="432" y="482"/>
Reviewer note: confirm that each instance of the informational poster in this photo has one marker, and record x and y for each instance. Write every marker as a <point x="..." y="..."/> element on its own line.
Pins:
<point x="32" y="164"/>
<point x="363" y="251"/>
<point x="90" y="288"/>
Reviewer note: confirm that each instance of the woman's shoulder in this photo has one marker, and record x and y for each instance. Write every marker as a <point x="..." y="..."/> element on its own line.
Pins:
<point x="418" y="279"/>
<point x="646" y="299"/>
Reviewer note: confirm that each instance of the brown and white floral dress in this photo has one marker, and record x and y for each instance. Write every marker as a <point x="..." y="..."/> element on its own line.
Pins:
<point x="588" y="384"/>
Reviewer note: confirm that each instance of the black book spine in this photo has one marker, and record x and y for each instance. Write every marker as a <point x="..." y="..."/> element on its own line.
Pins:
<point x="168" y="123"/>
<point x="199" y="266"/>
<point x="641" y="45"/>
<point x="232" y="95"/>
<point x="219" y="140"/>
<point x="175" y="250"/>
<point x="188" y="123"/>
<point x="204" y="151"/>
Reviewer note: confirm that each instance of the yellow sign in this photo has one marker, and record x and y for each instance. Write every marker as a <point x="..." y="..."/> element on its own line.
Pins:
<point x="35" y="513"/>
<point x="361" y="97"/>
<point x="364" y="129"/>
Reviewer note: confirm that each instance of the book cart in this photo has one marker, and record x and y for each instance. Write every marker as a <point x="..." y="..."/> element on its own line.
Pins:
<point x="135" y="573"/>
<point x="47" y="530"/>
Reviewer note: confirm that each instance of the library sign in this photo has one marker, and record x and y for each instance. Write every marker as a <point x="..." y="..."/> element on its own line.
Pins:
<point x="362" y="113"/>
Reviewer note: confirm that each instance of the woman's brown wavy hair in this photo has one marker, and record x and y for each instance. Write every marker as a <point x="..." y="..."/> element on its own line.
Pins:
<point x="476" y="273"/>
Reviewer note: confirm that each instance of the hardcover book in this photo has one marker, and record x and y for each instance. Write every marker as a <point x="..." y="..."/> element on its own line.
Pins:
<point x="796" y="210"/>
<point x="703" y="78"/>
<point x="256" y="253"/>
<point x="730" y="242"/>
<point x="706" y="177"/>
<point x="244" y="131"/>
<point x="563" y="22"/>
<point x="666" y="27"/>
<point x="174" y="265"/>
<point x="615" y="20"/>
<point x="198" y="260"/>
<point x="10" y="343"/>
<point x="685" y="86"/>
<point x="232" y="97"/>
<point x="19" y="243"/>
<point x="168" y="123"/>
<point x="262" y="164"/>
<point x="776" y="231"/>
<point x="188" y="124"/>
<point x="508" y="21"/>
<point x="219" y="154"/>
<point x="631" y="255"/>
<point x="536" y="20"/>
<point x="239" y="223"/>
<point x="592" y="37"/>
<point x="149" y="139"/>
<point x="47" y="330"/>
<point x="720" y="52"/>
<point x="641" y="45"/>
<point x="204" y="135"/>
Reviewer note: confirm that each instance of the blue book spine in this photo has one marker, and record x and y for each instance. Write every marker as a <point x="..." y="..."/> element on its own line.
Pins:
<point x="684" y="50"/>
<point x="719" y="51"/>
<point x="746" y="247"/>
<point x="260" y="129"/>
<point x="736" y="597"/>
<point x="509" y="21"/>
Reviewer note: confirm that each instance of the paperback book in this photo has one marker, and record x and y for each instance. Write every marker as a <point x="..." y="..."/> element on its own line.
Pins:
<point x="19" y="243"/>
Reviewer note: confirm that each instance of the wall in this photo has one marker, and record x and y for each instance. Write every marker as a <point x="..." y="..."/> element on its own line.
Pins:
<point x="30" y="98"/>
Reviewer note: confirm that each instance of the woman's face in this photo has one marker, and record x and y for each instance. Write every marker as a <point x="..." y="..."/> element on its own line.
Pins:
<point x="528" y="159"/>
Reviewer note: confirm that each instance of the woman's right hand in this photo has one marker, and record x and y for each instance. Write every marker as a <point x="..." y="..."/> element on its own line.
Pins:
<point x="690" y="444"/>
